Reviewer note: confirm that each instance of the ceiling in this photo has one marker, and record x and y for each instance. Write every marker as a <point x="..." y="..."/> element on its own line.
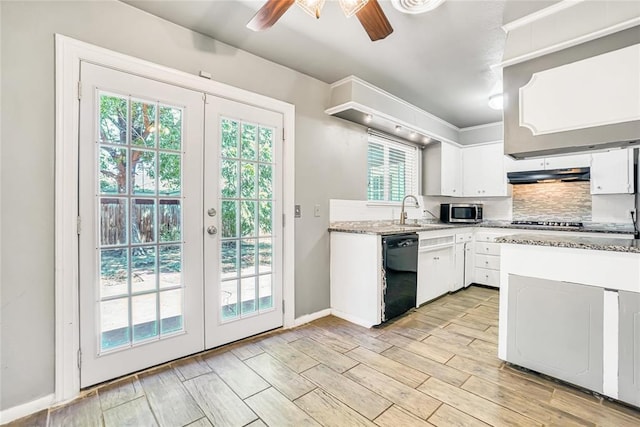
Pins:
<point x="438" y="61"/>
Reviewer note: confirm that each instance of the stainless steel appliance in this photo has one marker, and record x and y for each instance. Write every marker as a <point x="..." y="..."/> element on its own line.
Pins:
<point x="461" y="213"/>
<point x="400" y="262"/>
<point x="551" y="175"/>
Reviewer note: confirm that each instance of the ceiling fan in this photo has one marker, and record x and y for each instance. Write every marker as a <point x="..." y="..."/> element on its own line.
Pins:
<point x="368" y="12"/>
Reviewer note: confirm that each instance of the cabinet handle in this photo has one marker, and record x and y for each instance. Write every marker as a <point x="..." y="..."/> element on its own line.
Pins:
<point x="486" y="262"/>
<point x="599" y="187"/>
<point x="454" y="190"/>
<point x="436" y="258"/>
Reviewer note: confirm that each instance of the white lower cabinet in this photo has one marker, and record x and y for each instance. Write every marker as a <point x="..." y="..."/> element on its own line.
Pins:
<point x="463" y="251"/>
<point x="436" y="266"/>
<point x="487" y="259"/>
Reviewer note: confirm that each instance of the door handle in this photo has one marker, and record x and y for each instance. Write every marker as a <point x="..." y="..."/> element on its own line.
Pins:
<point x="212" y="230"/>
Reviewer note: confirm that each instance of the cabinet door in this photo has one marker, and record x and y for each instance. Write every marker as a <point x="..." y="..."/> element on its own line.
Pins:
<point x="435" y="273"/>
<point x="458" y="267"/>
<point x="469" y="264"/>
<point x="451" y="171"/>
<point x="556" y="328"/>
<point x="629" y="352"/>
<point x="483" y="171"/>
<point x="612" y="172"/>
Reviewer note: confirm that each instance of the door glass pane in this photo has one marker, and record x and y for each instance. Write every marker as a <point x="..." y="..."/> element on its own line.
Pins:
<point x="248" y="141"/>
<point x="143" y="268"/>
<point x="169" y="216"/>
<point x="229" y="259"/>
<point x="170" y="128"/>
<point x="229" y="178"/>
<point x="113" y="221"/>
<point x="248" y="257"/>
<point x="248" y="218"/>
<point x="113" y="118"/>
<point x="143" y="214"/>
<point x="229" y="132"/>
<point x="139" y="161"/>
<point x="265" y="255"/>
<point x="170" y="266"/>
<point x="229" y="218"/>
<point x="265" y="292"/>
<point x="169" y="174"/>
<point x="144" y="172"/>
<point x="246" y="190"/>
<point x="114" y="323"/>
<point x="248" y="180"/>
<point x="143" y="124"/>
<point x="248" y="292"/>
<point x="144" y="315"/>
<point x="114" y="268"/>
<point x="112" y="165"/>
<point x="171" y="310"/>
<point x="266" y="144"/>
<point x="229" y="299"/>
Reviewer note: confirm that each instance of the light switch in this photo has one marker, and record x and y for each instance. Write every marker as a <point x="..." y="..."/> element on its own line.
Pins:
<point x="298" y="211"/>
<point x="316" y="210"/>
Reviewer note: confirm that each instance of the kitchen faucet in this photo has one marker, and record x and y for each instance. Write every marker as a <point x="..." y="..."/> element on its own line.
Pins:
<point x="403" y="214"/>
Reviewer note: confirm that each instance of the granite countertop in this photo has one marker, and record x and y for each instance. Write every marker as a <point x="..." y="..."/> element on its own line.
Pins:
<point x="385" y="227"/>
<point x="593" y="243"/>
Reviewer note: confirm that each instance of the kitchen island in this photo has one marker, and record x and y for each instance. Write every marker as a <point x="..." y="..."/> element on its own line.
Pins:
<point x="570" y="308"/>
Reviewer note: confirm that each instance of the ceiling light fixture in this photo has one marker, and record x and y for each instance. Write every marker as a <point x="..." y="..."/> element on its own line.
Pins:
<point x="314" y="7"/>
<point x="413" y="7"/>
<point x="368" y="118"/>
<point x="398" y="128"/>
<point x="413" y="135"/>
<point x="496" y="101"/>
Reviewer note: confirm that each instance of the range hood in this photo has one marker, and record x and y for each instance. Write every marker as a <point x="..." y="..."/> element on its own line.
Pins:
<point x="552" y="175"/>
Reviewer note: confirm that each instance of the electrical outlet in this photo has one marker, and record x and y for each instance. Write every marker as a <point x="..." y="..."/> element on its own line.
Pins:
<point x="297" y="211"/>
<point x="316" y="210"/>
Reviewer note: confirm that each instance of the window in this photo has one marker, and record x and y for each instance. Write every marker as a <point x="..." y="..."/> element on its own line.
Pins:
<point x="392" y="169"/>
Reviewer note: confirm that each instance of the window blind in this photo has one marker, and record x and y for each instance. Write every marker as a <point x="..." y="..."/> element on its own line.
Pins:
<point x="392" y="168"/>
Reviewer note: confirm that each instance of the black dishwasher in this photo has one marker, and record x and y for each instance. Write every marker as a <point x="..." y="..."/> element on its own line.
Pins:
<point x="400" y="267"/>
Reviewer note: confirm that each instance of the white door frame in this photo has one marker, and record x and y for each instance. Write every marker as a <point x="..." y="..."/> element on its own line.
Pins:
<point x="69" y="53"/>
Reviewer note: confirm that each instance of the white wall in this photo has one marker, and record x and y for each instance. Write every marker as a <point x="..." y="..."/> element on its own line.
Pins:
<point x="330" y="161"/>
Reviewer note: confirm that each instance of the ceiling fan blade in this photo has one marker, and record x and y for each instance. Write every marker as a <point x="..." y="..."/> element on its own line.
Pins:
<point x="374" y="21"/>
<point x="269" y="14"/>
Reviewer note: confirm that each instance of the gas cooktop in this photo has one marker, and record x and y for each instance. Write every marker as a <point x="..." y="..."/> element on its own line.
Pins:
<point x="549" y="223"/>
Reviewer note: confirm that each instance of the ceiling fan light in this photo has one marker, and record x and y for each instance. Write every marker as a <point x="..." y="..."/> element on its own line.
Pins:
<point x="413" y="7"/>
<point x="351" y="7"/>
<point x="312" y="7"/>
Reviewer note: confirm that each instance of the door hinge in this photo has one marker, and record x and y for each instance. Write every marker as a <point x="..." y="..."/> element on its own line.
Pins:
<point x="283" y="138"/>
<point x="79" y="90"/>
<point x="79" y="358"/>
<point x="282" y="306"/>
<point x="78" y="224"/>
<point x="283" y="220"/>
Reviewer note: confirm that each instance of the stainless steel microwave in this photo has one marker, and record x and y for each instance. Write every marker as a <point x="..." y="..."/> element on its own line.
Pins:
<point x="459" y="212"/>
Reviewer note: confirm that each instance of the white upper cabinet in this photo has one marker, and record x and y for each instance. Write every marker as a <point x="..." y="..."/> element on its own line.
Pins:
<point x="484" y="171"/>
<point x="597" y="91"/>
<point x="442" y="166"/>
<point x="556" y="162"/>
<point x="612" y="172"/>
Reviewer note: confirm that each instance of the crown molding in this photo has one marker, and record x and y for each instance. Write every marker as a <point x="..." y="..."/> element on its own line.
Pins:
<point x="543" y="13"/>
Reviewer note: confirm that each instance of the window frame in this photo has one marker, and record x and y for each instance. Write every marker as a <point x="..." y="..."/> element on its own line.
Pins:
<point x="389" y="142"/>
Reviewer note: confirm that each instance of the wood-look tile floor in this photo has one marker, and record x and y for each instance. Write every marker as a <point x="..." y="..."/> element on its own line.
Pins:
<point x="436" y="366"/>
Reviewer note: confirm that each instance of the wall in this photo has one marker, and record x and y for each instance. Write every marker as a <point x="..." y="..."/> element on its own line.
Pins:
<point x="330" y="161"/>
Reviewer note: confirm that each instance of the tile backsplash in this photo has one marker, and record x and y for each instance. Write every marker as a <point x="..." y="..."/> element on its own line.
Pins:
<point x="568" y="201"/>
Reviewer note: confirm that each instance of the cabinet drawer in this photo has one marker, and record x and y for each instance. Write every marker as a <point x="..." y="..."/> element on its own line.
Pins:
<point x="464" y="237"/>
<point x="484" y="276"/>
<point x="491" y="262"/>
<point x="487" y="248"/>
<point x="484" y="237"/>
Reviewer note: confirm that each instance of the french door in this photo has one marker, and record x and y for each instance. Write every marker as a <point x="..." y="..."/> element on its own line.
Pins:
<point x="243" y="204"/>
<point x="167" y="249"/>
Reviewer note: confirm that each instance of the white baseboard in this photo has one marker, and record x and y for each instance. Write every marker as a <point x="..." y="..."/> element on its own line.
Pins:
<point x="10" y="414"/>
<point x="352" y="319"/>
<point x="311" y="317"/>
